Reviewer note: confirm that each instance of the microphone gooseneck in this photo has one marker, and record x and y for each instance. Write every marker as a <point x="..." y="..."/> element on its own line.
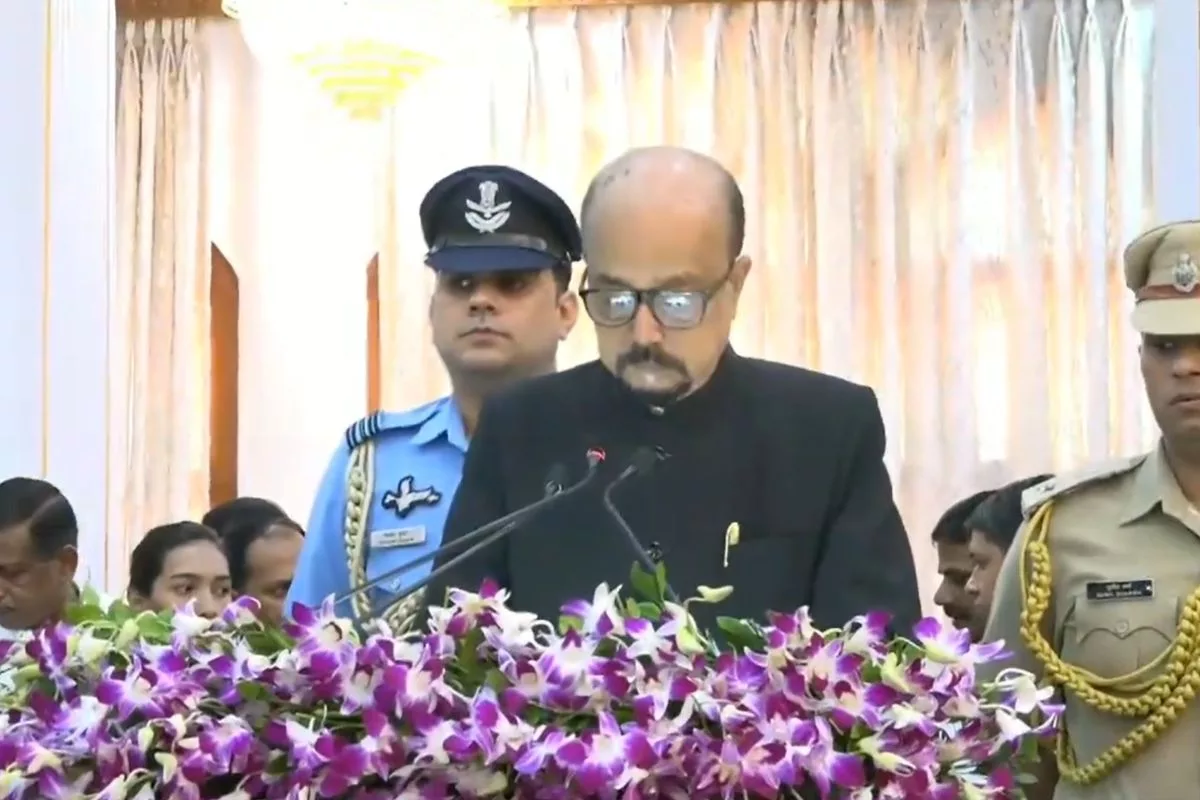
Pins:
<point x="555" y="479"/>
<point x="479" y="538"/>
<point x="643" y="461"/>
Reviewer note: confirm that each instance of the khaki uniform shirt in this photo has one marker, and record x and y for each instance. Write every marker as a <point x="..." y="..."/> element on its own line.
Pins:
<point x="1128" y="523"/>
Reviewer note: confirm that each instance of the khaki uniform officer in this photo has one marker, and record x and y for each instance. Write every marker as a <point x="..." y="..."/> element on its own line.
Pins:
<point x="1100" y="595"/>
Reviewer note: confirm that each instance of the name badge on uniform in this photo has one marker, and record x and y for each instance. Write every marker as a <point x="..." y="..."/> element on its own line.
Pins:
<point x="1101" y="591"/>
<point x="398" y="537"/>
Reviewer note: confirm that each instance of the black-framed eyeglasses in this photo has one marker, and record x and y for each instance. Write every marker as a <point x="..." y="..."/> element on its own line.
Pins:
<point x="612" y="307"/>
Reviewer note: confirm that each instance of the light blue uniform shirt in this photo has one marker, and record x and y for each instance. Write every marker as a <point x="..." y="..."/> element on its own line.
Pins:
<point x="418" y="462"/>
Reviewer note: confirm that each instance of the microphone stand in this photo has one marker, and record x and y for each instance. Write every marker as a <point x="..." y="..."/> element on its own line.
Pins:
<point x="643" y="460"/>
<point x="490" y="533"/>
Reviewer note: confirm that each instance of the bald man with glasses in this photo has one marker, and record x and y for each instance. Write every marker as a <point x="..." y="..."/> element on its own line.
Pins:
<point x="794" y="457"/>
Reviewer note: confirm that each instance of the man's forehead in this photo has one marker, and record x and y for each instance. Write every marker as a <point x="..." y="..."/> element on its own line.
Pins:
<point x="649" y="277"/>
<point x="979" y="543"/>
<point x="14" y="540"/>
<point x="652" y="204"/>
<point x="952" y="551"/>
<point x="274" y="546"/>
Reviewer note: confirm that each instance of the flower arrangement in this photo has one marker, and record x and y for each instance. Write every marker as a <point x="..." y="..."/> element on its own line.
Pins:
<point x="625" y="697"/>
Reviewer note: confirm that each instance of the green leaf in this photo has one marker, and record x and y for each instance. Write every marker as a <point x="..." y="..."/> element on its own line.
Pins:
<point x="153" y="628"/>
<point x="120" y="611"/>
<point x="660" y="579"/>
<point x="469" y="664"/>
<point x="253" y="691"/>
<point x="496" y="681"/>
<point x="631" y="608"/>
<point x="645" y="585"/>
<point x="740" y="633"/>
<point x="90" y="597"/>
<point x="268" y="641"/>
<point x="568" y="623"/>
<point x="650" y="611"/>
<point x="279" y="765"/>
<point x="77" y="615"/>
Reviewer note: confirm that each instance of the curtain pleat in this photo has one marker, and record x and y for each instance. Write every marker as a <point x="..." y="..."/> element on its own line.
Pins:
<point x="161" y="352"/>
<point x="937" y="195"/>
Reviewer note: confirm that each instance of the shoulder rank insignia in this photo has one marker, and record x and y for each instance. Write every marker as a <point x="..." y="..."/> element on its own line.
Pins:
<point x="1039" y="494"/>
<point x="371" y="426"/>
<point x="364" y="429"/>
<point x="405" y="498"/>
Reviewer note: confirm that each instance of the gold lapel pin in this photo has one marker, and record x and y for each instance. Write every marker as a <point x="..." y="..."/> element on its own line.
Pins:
<point x="732" y="534"/>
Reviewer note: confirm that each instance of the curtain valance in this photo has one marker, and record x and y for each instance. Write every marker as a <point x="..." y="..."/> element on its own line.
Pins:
<point x="201" y="9"/>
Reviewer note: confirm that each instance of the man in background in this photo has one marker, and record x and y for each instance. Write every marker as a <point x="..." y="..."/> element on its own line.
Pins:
<point x="951" y="540"/>
<point x="502" y="245"/>
<point x="794" y="457"/>
<point x="39" y="553"/>
<point x="263" y="545"/>
<point x="992" y="526"/>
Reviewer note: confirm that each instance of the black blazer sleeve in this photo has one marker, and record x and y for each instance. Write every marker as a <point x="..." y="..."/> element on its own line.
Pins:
<point x="480" y="499"/>
<point x="866" y="561"/>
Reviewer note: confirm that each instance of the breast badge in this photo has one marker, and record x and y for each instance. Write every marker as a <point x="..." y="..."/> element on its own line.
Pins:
<point x="406" y="497"/>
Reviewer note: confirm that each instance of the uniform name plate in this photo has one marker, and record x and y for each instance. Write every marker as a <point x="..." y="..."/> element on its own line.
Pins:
<point x="1100" y="591"/>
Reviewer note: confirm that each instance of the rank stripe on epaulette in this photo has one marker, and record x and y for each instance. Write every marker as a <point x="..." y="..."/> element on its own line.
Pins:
<point x="363" y="430"/>
<point x="1059" y="486"/>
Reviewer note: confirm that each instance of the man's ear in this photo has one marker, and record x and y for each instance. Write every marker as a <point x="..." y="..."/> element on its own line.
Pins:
<point x="68" y="561"/>
<point x="738" y="273"/>
<point x="568" y="313"/>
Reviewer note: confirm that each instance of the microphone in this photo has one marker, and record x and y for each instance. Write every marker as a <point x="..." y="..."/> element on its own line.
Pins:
<point x="493" y="531"/>
<point x="643" y="461"/>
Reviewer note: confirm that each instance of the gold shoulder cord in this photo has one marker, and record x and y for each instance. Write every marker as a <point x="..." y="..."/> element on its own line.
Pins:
<point x="1161" y="699"/>
<point x="360" y="484"/>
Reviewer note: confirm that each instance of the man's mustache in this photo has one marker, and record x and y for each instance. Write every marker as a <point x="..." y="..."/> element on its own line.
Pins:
<point x="640" y="354"/>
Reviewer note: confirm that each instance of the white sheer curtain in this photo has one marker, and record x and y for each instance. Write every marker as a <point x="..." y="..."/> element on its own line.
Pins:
<point x="160" y="346"/>
<point x="937" y="196"/>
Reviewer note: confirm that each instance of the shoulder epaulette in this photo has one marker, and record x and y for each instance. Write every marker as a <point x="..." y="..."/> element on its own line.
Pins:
<point x="1039" y="494"/>
<point x="374" y="424"/>
<point x="362" y="430"/>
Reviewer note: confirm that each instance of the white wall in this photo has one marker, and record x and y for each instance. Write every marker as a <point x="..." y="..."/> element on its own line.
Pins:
<point x="1176" y="110"/>
<point x="22" y="215"/>
<point x="55" y="181"/>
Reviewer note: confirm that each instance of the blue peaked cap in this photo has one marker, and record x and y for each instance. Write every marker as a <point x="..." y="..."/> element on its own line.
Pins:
<point x="494" y="219"/>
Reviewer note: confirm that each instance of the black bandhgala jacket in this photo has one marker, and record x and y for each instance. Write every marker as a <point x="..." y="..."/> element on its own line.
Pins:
<point x="795" y="457"/>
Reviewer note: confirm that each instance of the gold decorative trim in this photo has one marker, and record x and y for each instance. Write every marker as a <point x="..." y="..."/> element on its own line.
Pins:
<point x="175" y="9"/>
<point x="47" y="230"/>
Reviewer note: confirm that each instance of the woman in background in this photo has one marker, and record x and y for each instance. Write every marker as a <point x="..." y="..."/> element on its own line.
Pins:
<point x="176" y="564"/>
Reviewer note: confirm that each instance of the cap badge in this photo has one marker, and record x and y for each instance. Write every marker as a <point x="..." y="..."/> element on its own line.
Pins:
<point x="1185" y="277"/>
<point x="485" y="214"/>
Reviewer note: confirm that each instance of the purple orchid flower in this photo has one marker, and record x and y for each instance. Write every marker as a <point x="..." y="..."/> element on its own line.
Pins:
<point x="489" y="701"/>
